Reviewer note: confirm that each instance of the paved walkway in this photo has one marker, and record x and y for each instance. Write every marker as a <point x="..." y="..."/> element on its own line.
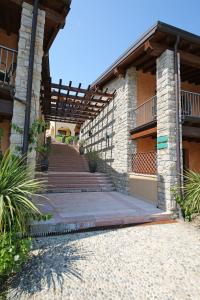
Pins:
<point x="95" y="209"/>
<point x="145" y="262"/>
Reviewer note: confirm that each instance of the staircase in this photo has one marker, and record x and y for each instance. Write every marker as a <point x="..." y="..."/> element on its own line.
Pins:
<point x="68" y="172"/>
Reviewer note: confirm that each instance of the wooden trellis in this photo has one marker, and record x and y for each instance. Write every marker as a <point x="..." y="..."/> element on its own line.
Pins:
<point x="66" y="103"/>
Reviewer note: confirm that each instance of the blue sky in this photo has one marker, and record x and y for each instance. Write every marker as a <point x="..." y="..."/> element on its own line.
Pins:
<point x="98" y="31"/>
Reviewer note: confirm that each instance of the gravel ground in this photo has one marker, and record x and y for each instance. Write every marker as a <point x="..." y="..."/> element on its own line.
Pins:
<point x="145" y="262"/>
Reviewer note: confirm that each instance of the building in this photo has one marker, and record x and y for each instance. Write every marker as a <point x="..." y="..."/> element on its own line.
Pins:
<point x="150" y="132"/>
<point x="27" y="31"/>
<point x="142" y="115"/>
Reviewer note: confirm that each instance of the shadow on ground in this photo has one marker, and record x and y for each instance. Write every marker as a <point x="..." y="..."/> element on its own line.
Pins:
<point x="52" y="259"/>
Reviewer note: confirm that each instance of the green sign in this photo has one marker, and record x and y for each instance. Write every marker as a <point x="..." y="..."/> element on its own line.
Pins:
<point x="162" y="142"/>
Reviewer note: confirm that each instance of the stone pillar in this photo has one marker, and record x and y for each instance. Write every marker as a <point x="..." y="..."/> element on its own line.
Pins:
<point x="124" y="103"/>
<point x="22" y="72"/>
<point x="166" y="127"/>
<point x="131" y="118"/>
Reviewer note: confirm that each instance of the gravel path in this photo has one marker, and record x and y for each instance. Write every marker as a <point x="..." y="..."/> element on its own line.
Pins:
<point x="146" y="262"/>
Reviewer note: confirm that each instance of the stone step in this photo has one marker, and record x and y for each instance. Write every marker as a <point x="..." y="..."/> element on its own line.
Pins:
<point x="80" y="189"/>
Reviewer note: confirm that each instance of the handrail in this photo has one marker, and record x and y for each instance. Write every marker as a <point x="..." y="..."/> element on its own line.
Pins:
<point x="146" y="112"/>
<point x="9" y="49"/>
<point x="190" y="104"/>
<point x="8" y="62"/>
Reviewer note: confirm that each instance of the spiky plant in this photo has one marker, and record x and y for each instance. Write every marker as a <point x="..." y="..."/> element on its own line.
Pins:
<point x="192" y="192"/>
<point x="16" y="189"/>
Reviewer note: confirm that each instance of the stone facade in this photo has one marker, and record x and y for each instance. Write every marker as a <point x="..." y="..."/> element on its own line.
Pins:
<point x="110" y="130"/>
<point x="22" y="72"/>
<point x="166" y="126"/>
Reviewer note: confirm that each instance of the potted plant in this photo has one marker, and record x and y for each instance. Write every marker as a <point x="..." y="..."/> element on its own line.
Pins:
<point x="44" y="150"/>
<point x="93" y="158"/>
<point x="81" y="147"/>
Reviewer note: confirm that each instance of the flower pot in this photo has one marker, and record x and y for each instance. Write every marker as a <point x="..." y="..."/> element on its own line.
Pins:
<point x="81" y="150"/>
<point x="44" y="165"/>
<point x="92" y="166"/>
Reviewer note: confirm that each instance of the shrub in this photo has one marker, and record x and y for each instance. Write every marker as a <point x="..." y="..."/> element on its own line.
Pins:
<point x="59" y="138"/>
<point x="13" y="253"/>
<point x="69" y="139"/>
<point x="190" y="200"/>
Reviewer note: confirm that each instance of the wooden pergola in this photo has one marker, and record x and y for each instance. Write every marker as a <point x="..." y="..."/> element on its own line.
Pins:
<point x="66" y="103"/>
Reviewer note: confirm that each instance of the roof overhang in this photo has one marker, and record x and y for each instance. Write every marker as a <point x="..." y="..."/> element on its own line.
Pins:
<point x="143" y="53"/>
<point x="56" y="13"/>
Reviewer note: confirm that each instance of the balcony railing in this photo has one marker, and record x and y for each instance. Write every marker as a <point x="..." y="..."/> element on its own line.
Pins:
<point x="146" y="112"/>
<point x="8" y="59"/>
<point x="144" y="163"/>
<point x="190" y="104"/>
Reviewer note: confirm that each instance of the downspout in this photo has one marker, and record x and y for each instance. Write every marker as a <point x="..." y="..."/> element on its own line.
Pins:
<point x="30" y="80"/>
<point x="178" y="119"/>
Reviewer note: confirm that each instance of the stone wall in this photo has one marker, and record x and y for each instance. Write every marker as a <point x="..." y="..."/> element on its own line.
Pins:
<point x="166" y="126"/>
<point x="110" y="130"/>
<point x="22" y="71"/>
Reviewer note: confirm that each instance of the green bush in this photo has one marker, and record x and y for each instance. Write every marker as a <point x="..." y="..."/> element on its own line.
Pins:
<point x="189" y="201"/>
<point x="13" y="253"/>
<point x="59" y="138"/>
<point x="69" y="139"/>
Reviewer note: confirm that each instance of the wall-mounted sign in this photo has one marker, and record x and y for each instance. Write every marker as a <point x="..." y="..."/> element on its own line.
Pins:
<point x="162" y="142"/>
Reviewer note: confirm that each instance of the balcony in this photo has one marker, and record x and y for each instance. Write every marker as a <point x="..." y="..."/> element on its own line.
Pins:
<point x="144" y="163"/>
<point x="146" y="113"/>
<point x="190" y="106"/>
<point x="8" y="63"/>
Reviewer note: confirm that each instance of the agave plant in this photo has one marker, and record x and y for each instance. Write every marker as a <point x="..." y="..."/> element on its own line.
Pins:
<point x="192" y="192"/>
<point x="16" y="189"/>
<point x="189" y="201"/>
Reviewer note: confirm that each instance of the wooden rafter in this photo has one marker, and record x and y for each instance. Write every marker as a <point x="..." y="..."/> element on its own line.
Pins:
<point x="72" y="104"/>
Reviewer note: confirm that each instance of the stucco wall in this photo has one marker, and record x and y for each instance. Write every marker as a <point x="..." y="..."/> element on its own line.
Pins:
<point x="9" y="41"/>
<point x="146" y="145"/>
<point x="194" y="155"/>
<point x="144" y="187"/>
<point x="5" y="125"/>
<point x="115" y="120"/>
<point x="190" y="87"/>
<point x="146" y="86"/>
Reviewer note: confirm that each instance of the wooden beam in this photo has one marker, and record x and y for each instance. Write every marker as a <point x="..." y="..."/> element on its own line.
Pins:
<point x="144" y="133"/>
<point x="155" y="49"/>
<point x="190" y="59"/>
<point x="50" y="13"/>
<point x="81" y="90"/>
<point x="64" y="98"/>
<point x="191" y="132"/>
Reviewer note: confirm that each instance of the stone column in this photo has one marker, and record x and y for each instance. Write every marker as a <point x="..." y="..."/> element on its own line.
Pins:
<point x="22" y="72"/>
<point x="166" y="127"/>
<point x="125" y="103"/>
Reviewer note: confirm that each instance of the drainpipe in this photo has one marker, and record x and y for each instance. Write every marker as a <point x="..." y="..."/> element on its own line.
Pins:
<point x="30" y="79"/>
<point x="178" y="132"/>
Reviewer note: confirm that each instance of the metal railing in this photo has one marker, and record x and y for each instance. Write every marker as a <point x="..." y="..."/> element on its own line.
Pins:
<point x="146" y="112"/>
<point x="190" y="104"/>
<point x="8" y="62"/>
<point x="144" y="163"/>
